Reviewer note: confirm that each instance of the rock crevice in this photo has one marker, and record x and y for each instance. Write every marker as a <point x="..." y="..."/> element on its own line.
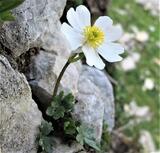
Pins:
<point x="37" y="25"/>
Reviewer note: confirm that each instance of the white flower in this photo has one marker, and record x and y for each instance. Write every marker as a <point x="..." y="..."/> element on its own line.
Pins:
<point x="93" y="40"/>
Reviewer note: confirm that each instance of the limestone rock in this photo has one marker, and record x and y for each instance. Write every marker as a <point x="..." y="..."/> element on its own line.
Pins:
<point x="36" y="25"/>
<point x="95" y="100"/>
<point x="59" y="147"/>
<point x="43" y="72"/>
<point x="95" y="93"/>
<point x="19" y="115"/>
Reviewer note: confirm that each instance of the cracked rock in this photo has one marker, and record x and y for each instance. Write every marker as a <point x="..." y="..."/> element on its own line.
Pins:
<point x="19" y="114"/>
<point x="95" y="100"/>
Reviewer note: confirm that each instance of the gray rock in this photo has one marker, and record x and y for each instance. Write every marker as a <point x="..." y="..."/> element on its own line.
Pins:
<point x="36" y="25"/>
<point x="95" y="100"/>
<point x="95" y="94"/>
<point x="59" y="147"/>
<point x="43" y="72"/>
<point x="19" y="115"/>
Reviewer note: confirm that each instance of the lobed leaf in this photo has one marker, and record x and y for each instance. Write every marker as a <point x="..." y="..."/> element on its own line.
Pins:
<point x="85" y="136"/>
<point x="70" y="127"/>
<point x="46" y="128"/>
<point x="46" y="144"/>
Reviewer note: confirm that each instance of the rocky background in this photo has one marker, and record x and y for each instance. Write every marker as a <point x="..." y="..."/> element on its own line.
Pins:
<point x="32" y="52"/>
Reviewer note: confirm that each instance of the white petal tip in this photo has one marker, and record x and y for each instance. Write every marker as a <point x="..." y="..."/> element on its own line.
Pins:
<point x="81" y="7"/>
<point x="117" y="59"/>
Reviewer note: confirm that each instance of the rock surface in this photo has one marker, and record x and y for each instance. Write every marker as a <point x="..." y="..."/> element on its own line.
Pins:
<point x="19" y="115"/>
<point x="95" y="100"/>
<point x="36" y="25"/>
<point x="43" y="72"/>
<point x="59" y="147"/>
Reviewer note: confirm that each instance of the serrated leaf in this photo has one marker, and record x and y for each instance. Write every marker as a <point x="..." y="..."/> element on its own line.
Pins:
<point x="68" y="102"/>
<point x="50" y="111"/>
<point x="85" y="135"/>
<point x="70" y="127"/>
<point x="60" y="105"/>
<point x="46" y="144"/>
<point x="46" y="128"/>
<point x="59" y="112"/>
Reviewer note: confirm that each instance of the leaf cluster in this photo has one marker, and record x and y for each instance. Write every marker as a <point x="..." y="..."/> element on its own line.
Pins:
<point x="60" y="112"/>
<point x="61" y="105"/>
<point x="5" y="7"/>
<point x="85" y="136"/>
<point x="45" y="141"/>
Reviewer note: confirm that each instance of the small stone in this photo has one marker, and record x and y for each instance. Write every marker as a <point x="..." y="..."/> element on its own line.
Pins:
<point x="126" y="37"/>
<point x="152" y="6"/>
<point x="134" y="29"/>
<point x="157" y="61"/>
<point x="148" y="84"/>
<point x="136" y="57"/>
<point x="142" y="36"/>
<point x="60" y="147"/>
<point x="136" y="111"/>
<point x="128" y="64"/>
<point x="121" y="12"/>
<point x="147" y="142"/>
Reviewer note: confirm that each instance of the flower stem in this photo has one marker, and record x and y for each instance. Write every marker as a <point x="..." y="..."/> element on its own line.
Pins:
<point x="73" y="58"/>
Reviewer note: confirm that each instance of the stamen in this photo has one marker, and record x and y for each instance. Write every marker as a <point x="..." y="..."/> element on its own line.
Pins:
<point x="94" y="36"/>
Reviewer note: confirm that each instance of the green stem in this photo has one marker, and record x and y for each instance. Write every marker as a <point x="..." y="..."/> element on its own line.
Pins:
<point x="71" y="59"/>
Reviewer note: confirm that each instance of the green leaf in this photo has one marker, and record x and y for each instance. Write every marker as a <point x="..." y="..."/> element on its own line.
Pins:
<point x="79" y="2"/>
<point x="46" y="128"/>
<point x="85" y="136"/>
<point x="68" y="102"/>
<point x="60" y="105"/>
<point x="7" y="5"/>
<point x="57" y="99"/>
<point x="70" y="127"/>
<point x="50" y="111"/>
<point x="6" y="16"/>
<point x="46" y="144"/>
<point x="80" y="139"/>
<point x="92" y="143"/>
<point x="58" y="112"/>
<point x="106" y="138"/>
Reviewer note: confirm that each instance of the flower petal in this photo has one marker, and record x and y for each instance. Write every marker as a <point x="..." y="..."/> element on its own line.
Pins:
<point x="113" y="33"/>
<point x="114" y="47"/>
<point x="74" y="38"/>
<point x="92" y="57"/>
<point x="80" y="18"/>
<point x="73" y="19"/>
<point x="111" y="51"/>
<point x="104" y="22"/>
<point x="84" y="15"/>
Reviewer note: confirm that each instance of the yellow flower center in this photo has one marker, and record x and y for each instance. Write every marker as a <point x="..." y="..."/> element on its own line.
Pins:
<point x="94" y="36"/>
